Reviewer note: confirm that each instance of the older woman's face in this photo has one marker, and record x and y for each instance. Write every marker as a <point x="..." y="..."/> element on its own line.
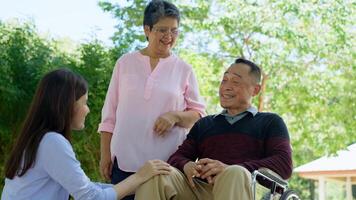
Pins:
<point x="163" y="35"/>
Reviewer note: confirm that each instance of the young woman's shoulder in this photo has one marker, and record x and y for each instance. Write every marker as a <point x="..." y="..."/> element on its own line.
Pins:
<point x="53" y="142"/>
<point x="54" y="137"/>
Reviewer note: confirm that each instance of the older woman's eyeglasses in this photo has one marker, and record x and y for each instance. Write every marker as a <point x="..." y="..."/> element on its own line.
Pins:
<point x="163" y="31"/>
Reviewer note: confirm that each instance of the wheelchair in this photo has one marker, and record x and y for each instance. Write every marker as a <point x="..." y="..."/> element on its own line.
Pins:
<point x="276" y="186"/>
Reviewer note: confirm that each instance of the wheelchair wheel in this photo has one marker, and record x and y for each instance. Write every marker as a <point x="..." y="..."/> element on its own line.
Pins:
<point x="290" y="195"/>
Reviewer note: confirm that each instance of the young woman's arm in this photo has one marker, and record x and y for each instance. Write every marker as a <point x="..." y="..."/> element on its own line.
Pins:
<point x="57" y="159"/>
<point x="150" y="169"/>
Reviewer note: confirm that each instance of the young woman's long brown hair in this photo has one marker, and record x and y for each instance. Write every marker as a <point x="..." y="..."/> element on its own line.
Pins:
<point x="51" y="110"/>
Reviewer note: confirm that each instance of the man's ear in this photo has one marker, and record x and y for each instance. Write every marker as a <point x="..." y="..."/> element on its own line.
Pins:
<point x="147" y="30"/>
<point x="256" y="89"/>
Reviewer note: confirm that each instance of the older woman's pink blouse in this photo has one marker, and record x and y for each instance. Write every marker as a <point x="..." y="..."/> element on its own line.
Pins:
<point x="136" y="97"/>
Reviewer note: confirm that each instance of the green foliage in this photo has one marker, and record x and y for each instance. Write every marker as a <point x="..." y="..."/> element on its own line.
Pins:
<point x="305" y="48"/>
<point x="208" y="84"/>
<point x="96" y="67"/>
<point x="24" y="57"/>
<point x="129" y="35"/>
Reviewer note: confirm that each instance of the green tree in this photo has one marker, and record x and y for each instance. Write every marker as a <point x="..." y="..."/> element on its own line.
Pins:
<point x="20" y="68"/>
<point x="24" y="57"/>
<point x="96" y="67"/>
<point x="306" y="52"/>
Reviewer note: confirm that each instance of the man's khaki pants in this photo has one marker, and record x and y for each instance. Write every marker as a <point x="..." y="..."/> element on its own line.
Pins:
<point x="234" y="183"/>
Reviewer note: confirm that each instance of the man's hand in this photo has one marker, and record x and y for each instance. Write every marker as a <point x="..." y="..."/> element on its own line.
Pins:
<point x="210" y="168"/>
<point x="191" y="170"/>
<point x="165" y="122"/>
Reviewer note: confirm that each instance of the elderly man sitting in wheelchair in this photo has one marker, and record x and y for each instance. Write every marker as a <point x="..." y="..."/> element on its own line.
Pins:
<point x="219" y="158"/>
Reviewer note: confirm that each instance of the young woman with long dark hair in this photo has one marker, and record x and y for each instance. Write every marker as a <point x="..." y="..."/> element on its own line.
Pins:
<point x="42" y="164"/>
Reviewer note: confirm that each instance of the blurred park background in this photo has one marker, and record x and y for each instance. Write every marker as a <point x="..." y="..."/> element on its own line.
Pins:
<point x="305" y="48"/>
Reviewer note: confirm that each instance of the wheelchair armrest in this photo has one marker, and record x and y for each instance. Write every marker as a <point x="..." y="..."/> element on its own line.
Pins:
<point x="273" y="176"/>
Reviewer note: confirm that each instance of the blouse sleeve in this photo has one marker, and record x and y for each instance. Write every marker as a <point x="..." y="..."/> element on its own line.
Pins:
<point x="192" y="96"/>
<point x="56" y="157"/>
<point x="108" y="113"/>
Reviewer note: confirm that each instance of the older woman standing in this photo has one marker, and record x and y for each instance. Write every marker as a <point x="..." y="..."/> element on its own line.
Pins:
<point x="153" y="98"/>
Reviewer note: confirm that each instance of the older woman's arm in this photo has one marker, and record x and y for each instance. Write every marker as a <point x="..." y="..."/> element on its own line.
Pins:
<point x="185" y="119"/>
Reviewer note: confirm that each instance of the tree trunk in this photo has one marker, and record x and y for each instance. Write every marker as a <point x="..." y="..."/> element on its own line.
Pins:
<point x="262" y="92"/>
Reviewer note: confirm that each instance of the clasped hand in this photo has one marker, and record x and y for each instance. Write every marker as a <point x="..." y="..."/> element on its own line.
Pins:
<point x="205" y="168"/>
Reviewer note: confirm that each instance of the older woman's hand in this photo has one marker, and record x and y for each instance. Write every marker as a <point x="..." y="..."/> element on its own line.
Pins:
<point x="165" y="122"/>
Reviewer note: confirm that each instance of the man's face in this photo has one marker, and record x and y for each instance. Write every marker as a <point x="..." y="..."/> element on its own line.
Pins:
<point x="237" y="87"/>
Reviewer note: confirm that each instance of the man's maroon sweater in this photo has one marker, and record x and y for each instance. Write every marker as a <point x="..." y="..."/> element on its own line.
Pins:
<point x="252" y="142"/>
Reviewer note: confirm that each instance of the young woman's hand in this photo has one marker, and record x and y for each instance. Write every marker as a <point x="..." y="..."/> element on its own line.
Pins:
<point x="152" y="168"/>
